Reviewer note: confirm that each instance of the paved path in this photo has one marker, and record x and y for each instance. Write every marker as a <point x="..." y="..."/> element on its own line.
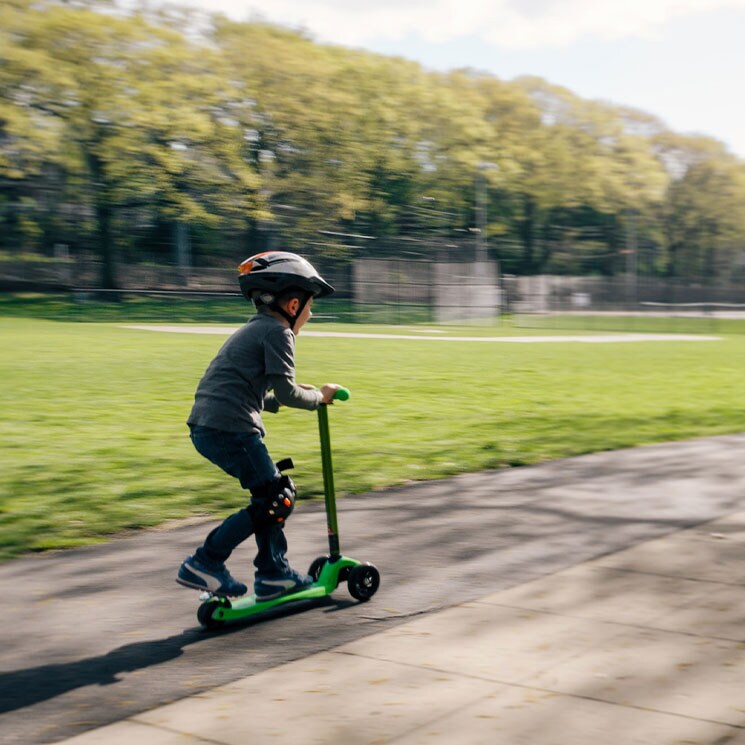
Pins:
<point x="598" y="597"/>
<point x="642" y="646"/>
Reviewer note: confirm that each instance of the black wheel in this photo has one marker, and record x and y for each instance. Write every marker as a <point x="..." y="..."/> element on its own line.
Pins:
<point x="316" y="566"/>
<point x="363" y="581"/>
<point x="205" y="615"/>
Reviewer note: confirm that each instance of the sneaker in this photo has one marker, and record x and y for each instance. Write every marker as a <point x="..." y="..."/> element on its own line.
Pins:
<point x="214" y="578"/>
<point x="268" y="588"/>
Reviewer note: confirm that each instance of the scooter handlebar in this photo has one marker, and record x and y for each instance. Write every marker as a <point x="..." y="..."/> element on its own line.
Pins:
<point x="342" y="394"/>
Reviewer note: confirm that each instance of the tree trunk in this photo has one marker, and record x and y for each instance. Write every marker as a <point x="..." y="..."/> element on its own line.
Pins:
<point x="672" y="260"/>
<point x="710" y="256"/>
<point x="104" y="213"/>
<point x="527" y="234"/>
<point x="106" y="248"/>
<point x="10" y="239"/>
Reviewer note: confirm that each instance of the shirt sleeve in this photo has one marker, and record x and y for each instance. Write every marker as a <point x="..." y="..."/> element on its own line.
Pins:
<point x="288" y="393"/>
<point x="270" y="403"/>
<point x="279" y="353"/>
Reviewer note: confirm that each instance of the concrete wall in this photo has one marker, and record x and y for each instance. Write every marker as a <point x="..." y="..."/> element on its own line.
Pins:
<point x="455" y="291"/>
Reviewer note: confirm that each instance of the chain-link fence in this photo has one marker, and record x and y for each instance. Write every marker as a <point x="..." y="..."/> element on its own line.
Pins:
<point x="386" y="290"/>
<point x="625" y="303"/>
<point x="405" y="290"/>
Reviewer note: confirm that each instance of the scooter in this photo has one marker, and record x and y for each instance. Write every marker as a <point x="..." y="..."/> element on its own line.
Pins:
<point x="328" y="571"/>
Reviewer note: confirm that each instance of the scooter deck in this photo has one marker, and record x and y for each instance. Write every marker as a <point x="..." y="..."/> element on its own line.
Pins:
<point x="226" y="610"/>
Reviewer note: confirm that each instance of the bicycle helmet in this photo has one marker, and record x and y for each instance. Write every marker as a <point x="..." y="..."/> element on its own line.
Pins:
<point x="265" y="276"/>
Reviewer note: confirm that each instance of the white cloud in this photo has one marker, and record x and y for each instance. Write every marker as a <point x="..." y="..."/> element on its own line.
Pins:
<point x="561" y="23"/>
<point x="513" y="24"/>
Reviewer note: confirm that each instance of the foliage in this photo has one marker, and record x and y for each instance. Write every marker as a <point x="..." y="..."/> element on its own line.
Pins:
<point x="120" y="128"/>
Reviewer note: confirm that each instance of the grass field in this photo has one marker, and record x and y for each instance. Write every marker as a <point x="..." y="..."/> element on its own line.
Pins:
<point x="94" y="440"/>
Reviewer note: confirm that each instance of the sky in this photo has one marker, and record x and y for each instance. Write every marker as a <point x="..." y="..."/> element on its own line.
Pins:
<point x="680" y="60"/>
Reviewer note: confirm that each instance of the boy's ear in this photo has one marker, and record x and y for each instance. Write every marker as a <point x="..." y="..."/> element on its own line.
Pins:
<point x="292" y="305"/>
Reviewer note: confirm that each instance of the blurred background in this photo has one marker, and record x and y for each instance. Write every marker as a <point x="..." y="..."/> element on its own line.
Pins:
<point x="145" y="151"/>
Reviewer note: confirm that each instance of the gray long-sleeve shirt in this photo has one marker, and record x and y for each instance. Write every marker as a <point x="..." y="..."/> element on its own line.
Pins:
<point x="257" y="359"/>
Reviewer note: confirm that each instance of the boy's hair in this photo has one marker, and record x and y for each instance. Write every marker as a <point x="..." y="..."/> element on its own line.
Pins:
<point x="264" y="306"/>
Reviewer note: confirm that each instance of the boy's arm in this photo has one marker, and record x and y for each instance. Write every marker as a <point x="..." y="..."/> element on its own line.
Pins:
<point x="288" y="393"/>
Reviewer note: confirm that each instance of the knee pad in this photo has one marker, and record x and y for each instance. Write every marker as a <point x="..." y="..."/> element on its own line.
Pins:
<point x="273" y="502"/>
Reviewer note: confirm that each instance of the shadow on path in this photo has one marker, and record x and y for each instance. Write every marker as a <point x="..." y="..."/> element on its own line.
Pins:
<point x="22" y="688"/>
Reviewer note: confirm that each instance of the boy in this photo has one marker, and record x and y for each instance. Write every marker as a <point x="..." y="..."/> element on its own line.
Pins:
<point x="254" y="371"/>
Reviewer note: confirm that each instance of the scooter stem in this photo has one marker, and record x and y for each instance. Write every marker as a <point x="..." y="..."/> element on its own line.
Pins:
<point x="328" y="475"/>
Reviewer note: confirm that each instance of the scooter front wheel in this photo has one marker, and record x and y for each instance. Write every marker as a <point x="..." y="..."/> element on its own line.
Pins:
<point x="363" y="581"/>
<point x="317" y="566"/>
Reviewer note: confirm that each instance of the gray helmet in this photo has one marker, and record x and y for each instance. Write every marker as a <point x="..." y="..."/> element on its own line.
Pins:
<point x="273" y="272"/>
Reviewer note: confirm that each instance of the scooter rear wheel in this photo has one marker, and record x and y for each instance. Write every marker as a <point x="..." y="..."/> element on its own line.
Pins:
<point x="363" y="581"/>
<point x="205" y="615"/>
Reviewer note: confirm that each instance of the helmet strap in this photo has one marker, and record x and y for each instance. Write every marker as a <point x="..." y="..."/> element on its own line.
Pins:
<point x="303" y="302"/>
<point x="277" y="308"/>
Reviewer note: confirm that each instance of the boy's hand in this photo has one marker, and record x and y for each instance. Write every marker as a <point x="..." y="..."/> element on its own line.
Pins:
<point x="328" y="390"/>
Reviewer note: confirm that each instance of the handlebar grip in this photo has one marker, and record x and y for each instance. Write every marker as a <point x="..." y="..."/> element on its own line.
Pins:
<point x="342" y="394"/>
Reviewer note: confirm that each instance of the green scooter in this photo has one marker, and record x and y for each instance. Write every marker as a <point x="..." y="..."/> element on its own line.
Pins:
<point x="363" y="579"/>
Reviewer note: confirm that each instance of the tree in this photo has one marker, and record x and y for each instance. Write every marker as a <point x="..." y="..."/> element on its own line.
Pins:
<point x="254" y="136"/>
<point x="140" y="114"/>
<point x="31" y="137"/>
<point x="705" y="218"/>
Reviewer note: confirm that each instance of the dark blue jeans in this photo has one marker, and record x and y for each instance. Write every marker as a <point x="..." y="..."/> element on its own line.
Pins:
<point x="243" y="455"/>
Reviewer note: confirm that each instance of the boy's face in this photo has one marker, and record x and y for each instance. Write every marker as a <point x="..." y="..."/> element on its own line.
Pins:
<point x="292" y="308"/>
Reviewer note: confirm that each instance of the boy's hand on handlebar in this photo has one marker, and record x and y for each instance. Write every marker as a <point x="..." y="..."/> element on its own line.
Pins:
<point x="327" y="391"/>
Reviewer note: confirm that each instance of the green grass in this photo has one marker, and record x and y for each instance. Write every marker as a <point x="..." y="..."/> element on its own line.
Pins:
<point x="666" y="324"/>
<point x="92" y="308"/>
<point x="94" y="441"/>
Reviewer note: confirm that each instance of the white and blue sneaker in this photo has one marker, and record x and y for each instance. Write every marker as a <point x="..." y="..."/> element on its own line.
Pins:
<point x="268" y="588"/>
<point x="214" y="578"/>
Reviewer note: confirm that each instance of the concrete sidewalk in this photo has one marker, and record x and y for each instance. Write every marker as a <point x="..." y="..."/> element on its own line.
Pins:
<point x="646" y="645"/>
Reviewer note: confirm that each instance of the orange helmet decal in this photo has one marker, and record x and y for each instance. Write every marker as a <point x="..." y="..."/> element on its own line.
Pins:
<point x="246" y="266"/>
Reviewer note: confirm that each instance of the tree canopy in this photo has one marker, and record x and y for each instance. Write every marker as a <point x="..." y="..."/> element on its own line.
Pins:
<point x="118" y="127"/>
